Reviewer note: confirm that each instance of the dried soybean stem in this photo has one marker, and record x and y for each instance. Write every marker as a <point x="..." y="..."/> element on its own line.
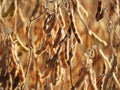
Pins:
<point x="36" y="84"/>
<point x="15" y="17"/>
<point x="29" y="62"/>
<point x="29" y="40"/>
<point x="71" y="74"/>
<point x="113" y="28"/>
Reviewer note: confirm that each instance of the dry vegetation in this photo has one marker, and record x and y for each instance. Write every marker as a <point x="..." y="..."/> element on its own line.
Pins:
<point x="60" y="44"/>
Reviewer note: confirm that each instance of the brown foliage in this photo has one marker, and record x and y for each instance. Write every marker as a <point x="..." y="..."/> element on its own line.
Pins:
<point x="60" y="44"/>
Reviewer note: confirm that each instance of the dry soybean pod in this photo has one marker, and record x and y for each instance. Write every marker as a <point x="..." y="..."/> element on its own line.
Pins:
<point x="57" y="39"/>
<point x="44" y="45"/>
<point x="54" y="74"/>
<point x="46" y="73"/>
<point x="61" y="17"/>
<point x="35" y="10"/>
<point x="63" y="60"/>
<point x="52" y="22"/>
<point x="46" y="21"/>
<point x="74" y="28"/>
<point x="100" y="11"/>
<point x="66" y="49"/>
<point x="78" y="37"/>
